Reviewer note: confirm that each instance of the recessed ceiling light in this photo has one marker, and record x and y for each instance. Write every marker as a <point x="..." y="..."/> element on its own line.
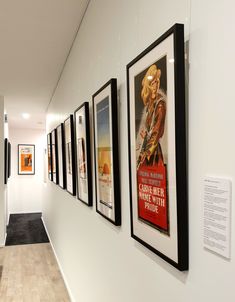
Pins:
<point x="26" y="115"/>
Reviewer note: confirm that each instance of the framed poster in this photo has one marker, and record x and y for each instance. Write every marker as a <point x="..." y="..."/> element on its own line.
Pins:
<point x="106" y="152"/>
<point x="61" y="156"/>
<point x="9" y="160"/>
<point x="5" y="160"/>
<point x="83" y="154"/>
<point x="157" y="148"/>
<point x="49" y="157"/>
<point x="26" y="159"/>
<point x="69" y="155"/>
<point x="55" y="168"/>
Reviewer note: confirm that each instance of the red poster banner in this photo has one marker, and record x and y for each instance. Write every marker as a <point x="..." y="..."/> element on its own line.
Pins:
<point x="152" y="196"/>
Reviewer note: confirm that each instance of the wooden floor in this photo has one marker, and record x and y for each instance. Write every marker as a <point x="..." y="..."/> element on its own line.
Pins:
<point x="29" y="273"/>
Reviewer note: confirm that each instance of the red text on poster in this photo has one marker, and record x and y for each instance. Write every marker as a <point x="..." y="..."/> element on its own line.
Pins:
<point x="152" y="195"/>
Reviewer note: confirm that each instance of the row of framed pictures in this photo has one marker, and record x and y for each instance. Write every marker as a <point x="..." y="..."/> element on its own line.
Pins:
<point x="69" y="154"/>
<point x="157" y="150"/>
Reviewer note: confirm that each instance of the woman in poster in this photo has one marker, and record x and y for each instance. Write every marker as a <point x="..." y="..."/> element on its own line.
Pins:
<point x="151" y="167"/>
<point x="153" y="119"/>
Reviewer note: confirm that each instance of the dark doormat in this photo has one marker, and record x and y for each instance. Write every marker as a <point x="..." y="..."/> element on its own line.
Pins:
<point x="26" y="229"/>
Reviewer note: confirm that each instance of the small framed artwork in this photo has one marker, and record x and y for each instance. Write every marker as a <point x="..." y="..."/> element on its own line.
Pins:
<point x="83" y="154"/>
<point x="61" y="156"/>
<point x="55" y="168"/>
<point x="69" y="155"/>
<point x="157" y="148"/>
<point x="26" y="159"/>
<point x="106" y="152"/>
<point x="49" y="157"/>
<point x="9" y="160"/>
<point x="5" y="160"/>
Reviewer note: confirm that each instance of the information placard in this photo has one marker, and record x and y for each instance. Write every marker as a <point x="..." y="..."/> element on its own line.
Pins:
<point x="217" y="215"/>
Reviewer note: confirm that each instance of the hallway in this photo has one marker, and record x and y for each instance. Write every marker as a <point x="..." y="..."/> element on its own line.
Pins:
<point x="117" y="125"/>
<point x="29" y="273"/>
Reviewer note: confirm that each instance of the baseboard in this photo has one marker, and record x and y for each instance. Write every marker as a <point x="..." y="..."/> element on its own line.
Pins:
<point x="4" y="243"/>
<point x="60" y="267"/>
<point x="23" y="212"/>
<point x="5" y="238"/>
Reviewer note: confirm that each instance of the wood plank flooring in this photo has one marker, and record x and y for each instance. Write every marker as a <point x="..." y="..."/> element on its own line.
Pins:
<point x="29" y="273"/>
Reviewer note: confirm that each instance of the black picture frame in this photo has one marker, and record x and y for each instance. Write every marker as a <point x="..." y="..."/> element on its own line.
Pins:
<point x="5" y="160"/>
<point x="61" y="155"/>
<point x="28" y="152"/>
<point x="70" y="155"/>
<point x="49" y="157"/>
<point x="83" y="154"/>
<point x="106" y="155"/>
<point x="159" y="215"/>
<point x="9" y="160"/>
<point x="55" y="166"/>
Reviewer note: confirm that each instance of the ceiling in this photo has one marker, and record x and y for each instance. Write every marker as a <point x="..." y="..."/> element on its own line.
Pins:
<point x="36" y="36"/>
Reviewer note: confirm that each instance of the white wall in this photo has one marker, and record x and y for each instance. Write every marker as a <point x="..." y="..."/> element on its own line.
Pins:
<point x="3" y="187"/>
<point x="26" y="192"/>
<point x="100" y="261"/>
<point x="211" y="138"/>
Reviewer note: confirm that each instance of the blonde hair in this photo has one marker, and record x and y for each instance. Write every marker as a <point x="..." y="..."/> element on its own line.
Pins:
<point x="151" y="74"/>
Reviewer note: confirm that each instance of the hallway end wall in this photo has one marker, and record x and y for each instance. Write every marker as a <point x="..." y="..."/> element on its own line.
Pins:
<point x="26" y="192"/>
